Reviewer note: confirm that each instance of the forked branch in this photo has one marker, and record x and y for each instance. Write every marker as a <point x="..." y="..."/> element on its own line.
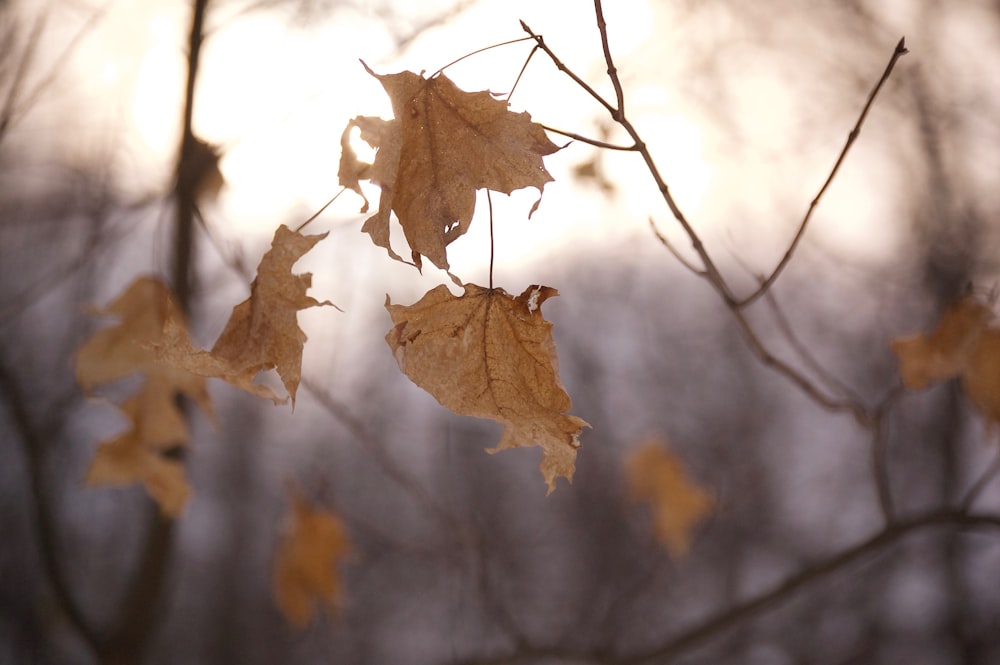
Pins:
<point x="852" y="136"/>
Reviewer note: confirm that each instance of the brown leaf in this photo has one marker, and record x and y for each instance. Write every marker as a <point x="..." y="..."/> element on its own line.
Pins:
<point x="137" y="456"/>
<point x="263" y="331"/>
<point x="981" y="378"/>
<point x="352" y="170"/>
<point x="127" y="348"/>
<point x="924" y="359"/>
<point x="490" y="355"/>
<point x="442" y="146"/>
<point x="305" y="569"/>
<point x="157" y="422"/>
<point x="656" y="476"/>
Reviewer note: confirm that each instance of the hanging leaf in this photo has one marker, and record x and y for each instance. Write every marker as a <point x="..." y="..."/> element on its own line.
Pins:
<point x="157" y="423"/>
<point x="305" y="569"/>
<point x="127" y="348"/>
<point x="945" y="352"/>
<point x="655" y="475"/>
<point x="263" y="331"/>
<point x="442" y="146"/>
<point x="139" y="455"/>
<point x="962" y="345"/>
<point x="490" y="355"/>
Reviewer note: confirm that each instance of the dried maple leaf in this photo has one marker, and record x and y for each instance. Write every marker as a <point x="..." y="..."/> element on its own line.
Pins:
<point x="263" y="331"/>
<point x="305" y="569"/>
<point x="656" y="476"/>
<point x="124" y="349"/>
<point x="137" y="455"/>
<point x="157" y="422"/>
<point x="490" y="355"/>
<point x="442" y="146"/>
<point x="924" y="359"/>
<point x="981" y="378"/>
<point x="963" y="344"/>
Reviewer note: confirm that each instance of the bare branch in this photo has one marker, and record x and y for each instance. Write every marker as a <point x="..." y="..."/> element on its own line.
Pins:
<point x="880" y="456"/>
<point x="567" y="71"/>
<point x="778" y="594"/>
<point x="382" y="457"/>
<point x="602" y="27"/>
<point x="980" y="484"/>
<point x="33" y="444"/>
<point x="897" y="53"/>
<point x="804" y="384"/>
<point x="782" y="591"/>
<point x="673" y="250"/>
<point x="712" y="273"/>
<point x="807" y="356"/>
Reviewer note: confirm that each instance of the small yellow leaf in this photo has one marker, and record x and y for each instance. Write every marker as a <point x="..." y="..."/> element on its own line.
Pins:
<point x="655" y="475"/>
<point x="490" y="355"/>
<point x="305" y="570"/>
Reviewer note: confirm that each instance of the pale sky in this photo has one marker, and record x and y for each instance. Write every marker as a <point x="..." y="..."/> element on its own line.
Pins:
<point x="277" y="96"/>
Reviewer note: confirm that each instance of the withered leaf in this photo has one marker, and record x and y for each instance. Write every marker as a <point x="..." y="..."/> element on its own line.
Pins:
<point x="963" y="344"/>
<point x="124" y="349"/>
<point x="137" y="456"/>
<point x="945" y="352"/>
<point x="981" y="377"/>
<point x="442" y="146"/>
<point x="157" y="422"/>
<point x="120" y="350"/>
<point x="263" y="331"/>
<point x="490" y="355"/>
<point x="656" y="476"/>
<point x="305" y="568"/>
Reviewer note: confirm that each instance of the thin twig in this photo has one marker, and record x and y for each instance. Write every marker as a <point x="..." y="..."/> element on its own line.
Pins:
<point x="807" y="357"/>
<point x="319" y="212"/>
<point x="566" y="70"/>
<point x="14" y="106"/>
<point x="980" y="484"/>
<point x="805" y="385"/>
<point x="594" y="142"/>
<point x="780" y="592"/>
<point x="712" y="273"/>
<point x="897" y="53"/>
<point x="33" y="445"/>
<point x="477" y="52"/>
<point x="27" y="56"/>
<point x="602" y="27"/>
<point x="880" y="456"/>
<point x="524" y="67"/>
<point x="673" y="250"/>
<point x="381" y="456"/>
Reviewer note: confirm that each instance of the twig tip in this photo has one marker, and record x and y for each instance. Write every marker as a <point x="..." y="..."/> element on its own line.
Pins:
<point x="901" y="46"/>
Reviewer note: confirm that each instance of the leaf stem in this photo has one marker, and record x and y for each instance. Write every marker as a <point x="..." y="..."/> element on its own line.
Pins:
<point x="489" y="201"/>
<point x="534" y="49"/>
<point x="594" y="142"/>
<point x="319" y="212"/>
<point x="478" y="51"/>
